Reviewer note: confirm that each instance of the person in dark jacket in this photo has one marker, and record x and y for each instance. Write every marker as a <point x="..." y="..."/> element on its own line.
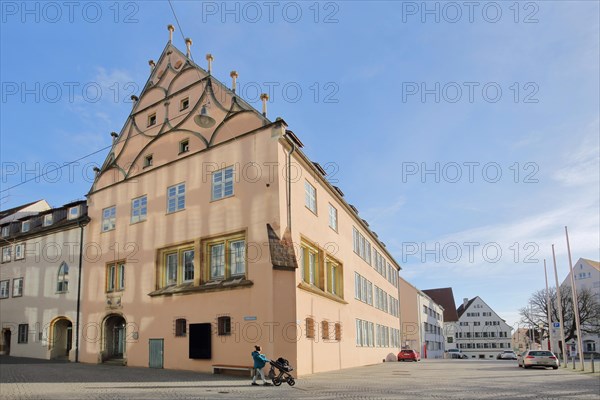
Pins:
<point x="259" y="363"/>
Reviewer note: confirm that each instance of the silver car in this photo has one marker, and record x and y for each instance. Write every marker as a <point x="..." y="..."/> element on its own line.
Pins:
<point x="537" y="358"/>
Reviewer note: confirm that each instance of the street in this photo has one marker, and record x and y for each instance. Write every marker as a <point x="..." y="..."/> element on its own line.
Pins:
<point x="22" y="378"/>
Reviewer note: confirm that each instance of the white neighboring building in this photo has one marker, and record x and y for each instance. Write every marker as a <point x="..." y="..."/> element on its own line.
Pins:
<point x="480" y="332"/>
<point x="431" y="322"/>
<point x="38" y="280"/>
<point x="587" y="276"/>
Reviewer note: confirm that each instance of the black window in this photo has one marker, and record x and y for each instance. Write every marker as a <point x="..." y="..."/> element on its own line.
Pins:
<point x="224" y="326"/>
<point x="23" y="333"/>
<point x="180" y="327"/>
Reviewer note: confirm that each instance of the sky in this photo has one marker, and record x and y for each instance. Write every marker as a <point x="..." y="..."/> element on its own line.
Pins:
<point x="466" y="133"/>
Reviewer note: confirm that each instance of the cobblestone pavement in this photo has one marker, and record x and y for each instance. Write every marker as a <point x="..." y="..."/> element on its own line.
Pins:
<point x="22" y="378"/>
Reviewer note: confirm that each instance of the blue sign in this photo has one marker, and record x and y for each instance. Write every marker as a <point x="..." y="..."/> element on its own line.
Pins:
<point x="252" y="318"/>
<point x="556" y="324"/>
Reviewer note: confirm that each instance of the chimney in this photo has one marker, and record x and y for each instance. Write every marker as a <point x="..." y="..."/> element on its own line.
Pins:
<point x="210" y="59"/>
<point x="188" y="44"/>
<point x="152" y="64"/>
<point x="264" y="97"/>
<point x="171" y="29"/>
<point x="465" y="301"/>
<point x="234" y="76"/>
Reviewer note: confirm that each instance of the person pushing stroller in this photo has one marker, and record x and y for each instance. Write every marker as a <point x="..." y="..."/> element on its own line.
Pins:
<point x="260" y="361"/>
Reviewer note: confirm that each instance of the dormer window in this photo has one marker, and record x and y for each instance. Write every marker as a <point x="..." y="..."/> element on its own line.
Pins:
<point x="5" y="230"/>
<point x="148" y="161"/>
<point x="73" y="212"/>
<point x="152" y="119"/>
<point x="25" y="226"/>
<point x="184" y="146"/>
<point x="184" y="104"/>
<point x="47" y="220"/>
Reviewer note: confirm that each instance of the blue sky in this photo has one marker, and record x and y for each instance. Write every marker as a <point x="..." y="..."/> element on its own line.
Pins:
<point x="388" y="89"/>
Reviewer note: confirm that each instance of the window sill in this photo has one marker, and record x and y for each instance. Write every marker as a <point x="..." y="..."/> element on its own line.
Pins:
<point x="175" y="211"/>
<point x="137" y="222"/>
<point x="108" y="230"/>
<point x="222" y="198"/>
<point x="213" y="286"/>
<point x="315" y="290"/>
<point x="309" y="209"/>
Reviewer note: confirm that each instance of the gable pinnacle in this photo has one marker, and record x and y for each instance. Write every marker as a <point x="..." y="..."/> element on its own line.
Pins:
<point x="171" y="29"/>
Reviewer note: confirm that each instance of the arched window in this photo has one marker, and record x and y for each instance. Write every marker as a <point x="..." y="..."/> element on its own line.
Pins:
<point x="62" y="281"/>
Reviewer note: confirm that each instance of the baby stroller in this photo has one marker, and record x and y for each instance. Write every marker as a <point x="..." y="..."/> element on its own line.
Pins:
<point x="283" y="375"/>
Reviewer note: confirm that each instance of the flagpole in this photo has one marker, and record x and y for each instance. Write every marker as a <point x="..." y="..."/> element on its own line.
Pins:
<point x="548" y="309"/>
<point x="560" y="312"/>
<point x="575" y="306"/>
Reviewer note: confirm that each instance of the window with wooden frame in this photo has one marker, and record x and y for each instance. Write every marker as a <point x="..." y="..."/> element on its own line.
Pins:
<point x="335" y="277"/>
<point x="176" y="265"/>
<point x="338" y="331"/>
<point x="62" y="279"/>
<point x="4" y="288"/>
<point x="310" y="265"/>
<point x="184" y="146"/>
<point x="325" y="330"/>
<point x="180" y="327"/>
<point x="152" y="119"/>
<point x="225" y="257"/>
<point x="115" y="277"/>
<point x="224" y="326"/>
<point x="6" y="254"/>
<point x="310" y="328"/>
<point x="20" y="251"/>
<point x="17" y="287"/>
<point x="184" y="104"/>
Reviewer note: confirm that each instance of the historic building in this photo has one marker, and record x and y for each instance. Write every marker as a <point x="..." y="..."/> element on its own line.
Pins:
<point x="39" y="280"/>
<point x="480" y="332"/>
<point x="216" y="233"/>
<point x="445" y="298"/>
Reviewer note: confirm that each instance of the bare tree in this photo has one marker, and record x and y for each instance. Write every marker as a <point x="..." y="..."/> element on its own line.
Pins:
<point x="589" y="311"/>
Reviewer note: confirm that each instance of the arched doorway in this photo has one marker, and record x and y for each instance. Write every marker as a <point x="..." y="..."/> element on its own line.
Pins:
<point x="114" y="337"/>
<point x="61" y="339"/>
<point x="6" y="337"/>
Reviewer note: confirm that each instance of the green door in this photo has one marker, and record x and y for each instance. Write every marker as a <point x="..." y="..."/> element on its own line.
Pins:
<point x="156" y="353"/>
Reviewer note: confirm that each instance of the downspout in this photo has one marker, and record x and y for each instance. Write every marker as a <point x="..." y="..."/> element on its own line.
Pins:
<point x="289" y="186"/>
<point x="79" y="290"/>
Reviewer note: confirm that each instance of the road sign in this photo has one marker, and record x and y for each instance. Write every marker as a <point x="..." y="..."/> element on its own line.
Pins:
<point x="556" y="324"/>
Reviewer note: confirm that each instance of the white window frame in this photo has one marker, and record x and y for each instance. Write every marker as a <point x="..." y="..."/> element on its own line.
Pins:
<point x="17" y="287"/>
<point x="4" y="288"/>
<point x="20" y="251"/>
<point x="109" y="218"/>
<point x="6" y="254"/>
<point x="48" y="220"/>
<point x="176" y="197"/>
<point x="310" y="197"/>
<point x="6" y="231"/>
<point x="62" y="278"/>
<point x="25" y="226"/>
<point x="222" y="183"/>
<point x="333" y="217"/>
<point x="73" y="212"/>
<point x="141" y="208"/>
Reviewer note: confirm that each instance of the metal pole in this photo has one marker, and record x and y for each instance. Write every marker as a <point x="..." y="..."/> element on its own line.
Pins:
<point x="575" y="306"/>
<point x="560" y="312"/>
<point x="548" y="309"/>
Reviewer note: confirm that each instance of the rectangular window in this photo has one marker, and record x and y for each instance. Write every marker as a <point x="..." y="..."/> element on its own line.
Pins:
<point x="338" y="331"/>
<point x="176" y="198"/>
<point x="180" y="327"/>
<point x="20" y="251"/>
<point x="47" y="220"/>
<point x="73" y="212"/>
<point x="171" y="270"/>
<point x="152" y="119"/>
<point x="25" y="225"/>
<point x="5" y="231"/>
<point x="139" y="209"/>
<point x="109" y="218"/>
<point x="148" y="160"/>
<point x="184" y="104"/>
<point x="23" y="333"/>
<point x="334" y="278"/>
<point x="333" y="218"/>
<point x="4" y="289"/>
<point x="115" y="277"/>
<point x="310" y="197"/>
<point x="6" y="254"/>
<point x="224" y="326"/>
<point x="177" y="265"/>
<point x="188" y="265"/>
<point x="358" y="332"/>
<point x="184" y="146"/>
<point x="17" y="287"/>
<point x="225" y="257"/>
<point x="325" y="330"/>
<point x="310" y="328"/>
<point x="222" y="183"/>
<point x="312" y="265"/>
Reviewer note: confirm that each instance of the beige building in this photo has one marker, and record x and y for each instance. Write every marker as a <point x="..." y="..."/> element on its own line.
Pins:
<point x="215" y="232"/>
<point x="39" y="273"/>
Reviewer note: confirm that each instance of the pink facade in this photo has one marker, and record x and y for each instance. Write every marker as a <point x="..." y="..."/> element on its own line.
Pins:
<point x="200" y="256"/>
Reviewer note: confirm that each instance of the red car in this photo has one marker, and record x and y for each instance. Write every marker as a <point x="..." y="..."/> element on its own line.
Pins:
<point x="409" y="355"/>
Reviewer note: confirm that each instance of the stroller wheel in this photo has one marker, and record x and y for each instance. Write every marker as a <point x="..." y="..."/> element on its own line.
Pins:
<point x="276" y="381"/>
<point x="291" y="381"/>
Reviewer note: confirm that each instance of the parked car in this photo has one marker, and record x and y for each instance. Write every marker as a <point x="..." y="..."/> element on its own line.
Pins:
<point x="537" y="358"/>
<point x="507" y="355"/>
<point x="409" y="355"/>
<point x="456" y="353"/>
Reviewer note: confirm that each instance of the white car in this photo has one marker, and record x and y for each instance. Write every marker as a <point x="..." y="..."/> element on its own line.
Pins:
<point x="507" y="355"/>
<point x="456" y="353"/>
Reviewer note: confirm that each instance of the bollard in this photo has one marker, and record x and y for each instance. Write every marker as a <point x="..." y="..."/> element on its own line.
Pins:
<point x="573" y="358"/>
<point x="593" y="363"/>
